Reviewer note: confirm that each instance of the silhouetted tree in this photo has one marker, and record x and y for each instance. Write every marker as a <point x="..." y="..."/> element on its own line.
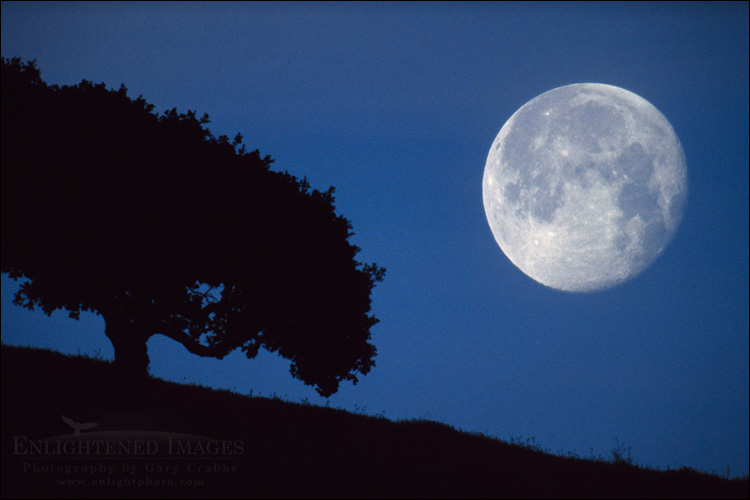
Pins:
<point x="152" y="222"/>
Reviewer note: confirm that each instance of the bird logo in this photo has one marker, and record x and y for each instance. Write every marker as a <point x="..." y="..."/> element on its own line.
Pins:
<point x="78" y="427"/>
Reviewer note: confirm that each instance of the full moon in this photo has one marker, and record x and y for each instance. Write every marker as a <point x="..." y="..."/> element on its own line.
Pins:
<point x="585" y="186"/>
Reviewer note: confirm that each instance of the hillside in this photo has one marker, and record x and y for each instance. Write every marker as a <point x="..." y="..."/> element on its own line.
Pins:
<point x="173" y="440"/>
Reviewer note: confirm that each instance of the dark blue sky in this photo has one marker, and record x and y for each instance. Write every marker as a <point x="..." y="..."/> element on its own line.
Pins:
<point x="396" y="105"/>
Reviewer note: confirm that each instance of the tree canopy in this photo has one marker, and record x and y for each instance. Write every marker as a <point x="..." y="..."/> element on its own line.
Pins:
<point x="162" y="228"/>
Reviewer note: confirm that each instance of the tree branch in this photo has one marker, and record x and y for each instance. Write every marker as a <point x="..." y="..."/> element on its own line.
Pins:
<point x="194" y="346"/>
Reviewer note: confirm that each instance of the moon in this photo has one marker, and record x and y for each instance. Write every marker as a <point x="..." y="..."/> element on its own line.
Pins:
<point x="584" y="186"/>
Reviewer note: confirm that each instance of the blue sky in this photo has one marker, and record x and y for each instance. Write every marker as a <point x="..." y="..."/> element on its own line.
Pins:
<point x="397" y="105"/>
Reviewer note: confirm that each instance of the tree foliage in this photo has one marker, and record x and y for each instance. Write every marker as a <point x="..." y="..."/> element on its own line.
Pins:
<point x="162" y="228"/>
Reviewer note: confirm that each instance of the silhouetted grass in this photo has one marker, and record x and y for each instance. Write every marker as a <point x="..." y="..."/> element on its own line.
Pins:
<point x="294" y="450"/>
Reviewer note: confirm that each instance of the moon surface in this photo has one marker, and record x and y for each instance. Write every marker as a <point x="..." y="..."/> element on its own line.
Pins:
<point x="585" y="186"/>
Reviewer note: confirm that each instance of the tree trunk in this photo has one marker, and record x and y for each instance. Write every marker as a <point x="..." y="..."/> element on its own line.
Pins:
<point x="131" y="352"/>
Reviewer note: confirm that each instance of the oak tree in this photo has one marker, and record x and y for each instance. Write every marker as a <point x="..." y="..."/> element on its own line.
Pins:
<point x="161" y="228"/>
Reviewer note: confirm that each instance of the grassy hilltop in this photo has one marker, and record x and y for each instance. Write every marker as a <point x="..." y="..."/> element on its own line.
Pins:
<point x="259" y="447"/>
